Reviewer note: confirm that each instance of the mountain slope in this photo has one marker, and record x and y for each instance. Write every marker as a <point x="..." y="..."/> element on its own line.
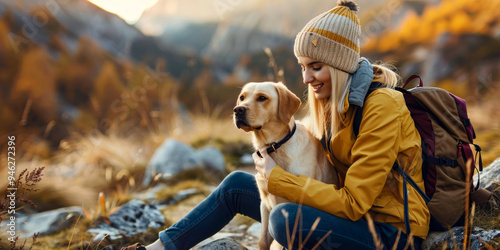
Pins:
<point x="223" y="31"/>
<point x="68" y="66"/>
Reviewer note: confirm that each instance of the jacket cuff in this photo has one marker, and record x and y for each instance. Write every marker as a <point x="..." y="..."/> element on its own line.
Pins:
<point x="272" y="180"/>
<point x="283" y="184"/>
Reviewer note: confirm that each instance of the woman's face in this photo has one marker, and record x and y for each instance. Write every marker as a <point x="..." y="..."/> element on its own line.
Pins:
<point x="317" y="76"/>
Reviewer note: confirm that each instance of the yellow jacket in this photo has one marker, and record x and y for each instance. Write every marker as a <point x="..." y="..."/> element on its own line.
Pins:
<point x="387" y="133"/>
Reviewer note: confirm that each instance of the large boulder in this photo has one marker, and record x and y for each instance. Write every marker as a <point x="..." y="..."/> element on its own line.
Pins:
<point x="46" y="223"/>
<point x="436" y="240"/>
<point x="211" y="158"/>
<point x="173" y="157"/>
<point x="489" y="176"/>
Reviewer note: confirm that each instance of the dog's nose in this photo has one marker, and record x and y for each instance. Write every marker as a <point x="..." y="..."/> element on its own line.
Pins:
<point x="239" y="110"/>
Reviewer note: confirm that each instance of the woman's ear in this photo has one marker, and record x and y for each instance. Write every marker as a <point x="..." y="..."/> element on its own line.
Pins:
<point x="288" y="103"/>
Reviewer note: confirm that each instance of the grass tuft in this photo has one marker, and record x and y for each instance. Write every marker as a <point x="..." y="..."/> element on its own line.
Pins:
<point x="170" y="191"/>
<point x="487" y="215"/>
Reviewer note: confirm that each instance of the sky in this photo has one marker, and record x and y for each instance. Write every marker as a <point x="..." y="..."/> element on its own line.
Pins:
<point x="129" y="10"/>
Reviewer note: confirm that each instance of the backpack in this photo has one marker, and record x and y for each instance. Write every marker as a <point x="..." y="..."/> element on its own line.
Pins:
<point x="447" y="140"/>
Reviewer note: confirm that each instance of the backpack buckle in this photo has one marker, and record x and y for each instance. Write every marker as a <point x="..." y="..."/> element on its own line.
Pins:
<point x="447" y="162"/>
<point x="459" y="146"/>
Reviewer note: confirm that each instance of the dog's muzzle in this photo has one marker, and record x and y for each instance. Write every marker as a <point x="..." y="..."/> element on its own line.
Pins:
<point x="240" y="116"/>
<point x="239" y="111"/>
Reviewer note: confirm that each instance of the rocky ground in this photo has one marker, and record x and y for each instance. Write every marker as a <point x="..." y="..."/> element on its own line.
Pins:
<point x="161" y="204"/>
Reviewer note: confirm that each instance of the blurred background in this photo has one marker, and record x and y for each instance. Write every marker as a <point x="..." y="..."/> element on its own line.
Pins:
<point x="90" y="88"/>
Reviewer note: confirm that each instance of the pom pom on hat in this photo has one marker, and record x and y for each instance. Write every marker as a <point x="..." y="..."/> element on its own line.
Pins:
<point x="332" y="37"/>
<point x="349" y="4"/>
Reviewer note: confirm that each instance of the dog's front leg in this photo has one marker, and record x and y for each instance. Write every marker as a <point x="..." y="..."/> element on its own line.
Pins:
<point x="265" y="239"/>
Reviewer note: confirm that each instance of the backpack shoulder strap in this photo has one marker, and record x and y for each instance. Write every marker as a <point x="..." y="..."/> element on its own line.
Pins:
<point x="359" y="113"/>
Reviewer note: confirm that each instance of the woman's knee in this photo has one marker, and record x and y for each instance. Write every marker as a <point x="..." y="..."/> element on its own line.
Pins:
<point x="236" y="179"/>
<point x="281" y="217"/>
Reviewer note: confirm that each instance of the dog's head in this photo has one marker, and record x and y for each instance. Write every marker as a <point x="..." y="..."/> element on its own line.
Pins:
<point x="260" y="103"/>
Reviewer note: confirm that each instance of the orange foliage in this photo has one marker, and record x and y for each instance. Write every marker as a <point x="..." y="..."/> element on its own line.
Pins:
<point x="458" y="88"/>
<point x="4" y="37"/>
<point x="432" y="14"/>
<point x="454" y="16"/>
<point x="460" y="23"/>
<point x="45" y="95"/>
<point x="369" y="44"/>
<point x="9" y="119"/>
<point x="409" y="27"/>
<point x="389" y="41"/>
<point x="442" y="26"/>
<point x="36" y="80"/>
<point x="107" y="89"/>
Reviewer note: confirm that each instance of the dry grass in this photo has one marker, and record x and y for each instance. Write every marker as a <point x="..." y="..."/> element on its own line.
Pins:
<point x="209" y="127"/>
<point x="84" y="240"/>
<point x="487" y="215"/>
<point x="88" y="164"/>
<point x="486" y="121"/>
<point x="488" y="140"/>
<point x="177" y="211"/>
<point x="114" y="163"/>
<point x="371" y="226"/>
<point x="169" y="192"/>
<point x="24" y="183"/>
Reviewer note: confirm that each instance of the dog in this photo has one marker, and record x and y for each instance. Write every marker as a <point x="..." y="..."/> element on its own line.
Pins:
<point x="266" y="110"/>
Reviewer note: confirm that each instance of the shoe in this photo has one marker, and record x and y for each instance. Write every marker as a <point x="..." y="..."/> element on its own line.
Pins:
<point x="136" y="246"/>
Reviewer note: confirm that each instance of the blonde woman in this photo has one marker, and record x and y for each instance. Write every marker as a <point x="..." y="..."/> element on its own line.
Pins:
<point x="327" y="49"/>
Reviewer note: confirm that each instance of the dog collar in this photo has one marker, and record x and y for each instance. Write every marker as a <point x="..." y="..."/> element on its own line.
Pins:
<point x="276" y="145"/>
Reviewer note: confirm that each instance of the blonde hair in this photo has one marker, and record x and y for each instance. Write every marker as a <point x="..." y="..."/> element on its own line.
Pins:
<point x="386" y="74"/>
<point x="324" y="115"/>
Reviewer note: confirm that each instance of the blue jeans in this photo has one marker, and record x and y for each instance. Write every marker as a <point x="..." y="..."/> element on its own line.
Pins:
<point x="345" y="233"/>
<point x="238" y="193"/>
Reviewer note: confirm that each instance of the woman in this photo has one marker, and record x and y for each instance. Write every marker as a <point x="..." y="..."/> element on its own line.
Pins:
<point x="327" y="49"/>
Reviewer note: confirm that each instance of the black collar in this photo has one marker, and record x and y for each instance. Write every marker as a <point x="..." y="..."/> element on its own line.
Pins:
<point x="275" y="146"/>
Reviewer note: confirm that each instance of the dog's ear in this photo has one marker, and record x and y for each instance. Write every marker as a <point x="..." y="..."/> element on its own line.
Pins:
<point x="288" y="103"/>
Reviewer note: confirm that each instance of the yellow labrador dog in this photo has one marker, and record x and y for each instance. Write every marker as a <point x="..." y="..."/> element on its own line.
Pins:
<point x="266" y="110"/>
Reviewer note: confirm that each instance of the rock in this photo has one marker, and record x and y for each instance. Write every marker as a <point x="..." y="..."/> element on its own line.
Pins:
<point x="246" y="159"/>
<point x="170" y="158"/>
<point x="136" y="216"/>
<point x="131" y="218"/>
<point x="46" y="223"/>
<point x="183" y="194"/>
<point x="173" y="157"/>
<point x="102" y="230"/>
<point x="436" y="239"/>
<point x="489" y="175"/>
<point x="255" y="229"/>
<point x="149" y="195"/>
<point x="212" y="158"/>
<point x="435" y="65"/>
<point x="221" y="235"/>
<point x="222" y="244"/>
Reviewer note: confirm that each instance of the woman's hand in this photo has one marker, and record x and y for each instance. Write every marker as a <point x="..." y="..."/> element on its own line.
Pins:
<point x="263" y="165"/>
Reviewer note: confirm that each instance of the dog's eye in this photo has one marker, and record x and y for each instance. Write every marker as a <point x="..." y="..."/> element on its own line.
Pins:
<point x="242" y="98"/>
<point x="261" y="98"/>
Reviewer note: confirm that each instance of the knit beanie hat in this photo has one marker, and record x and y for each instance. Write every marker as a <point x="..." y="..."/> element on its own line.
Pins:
<point x="332" y="37"/>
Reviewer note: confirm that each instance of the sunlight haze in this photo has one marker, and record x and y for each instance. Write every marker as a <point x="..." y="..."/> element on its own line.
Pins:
<point x="129" y="10"/>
